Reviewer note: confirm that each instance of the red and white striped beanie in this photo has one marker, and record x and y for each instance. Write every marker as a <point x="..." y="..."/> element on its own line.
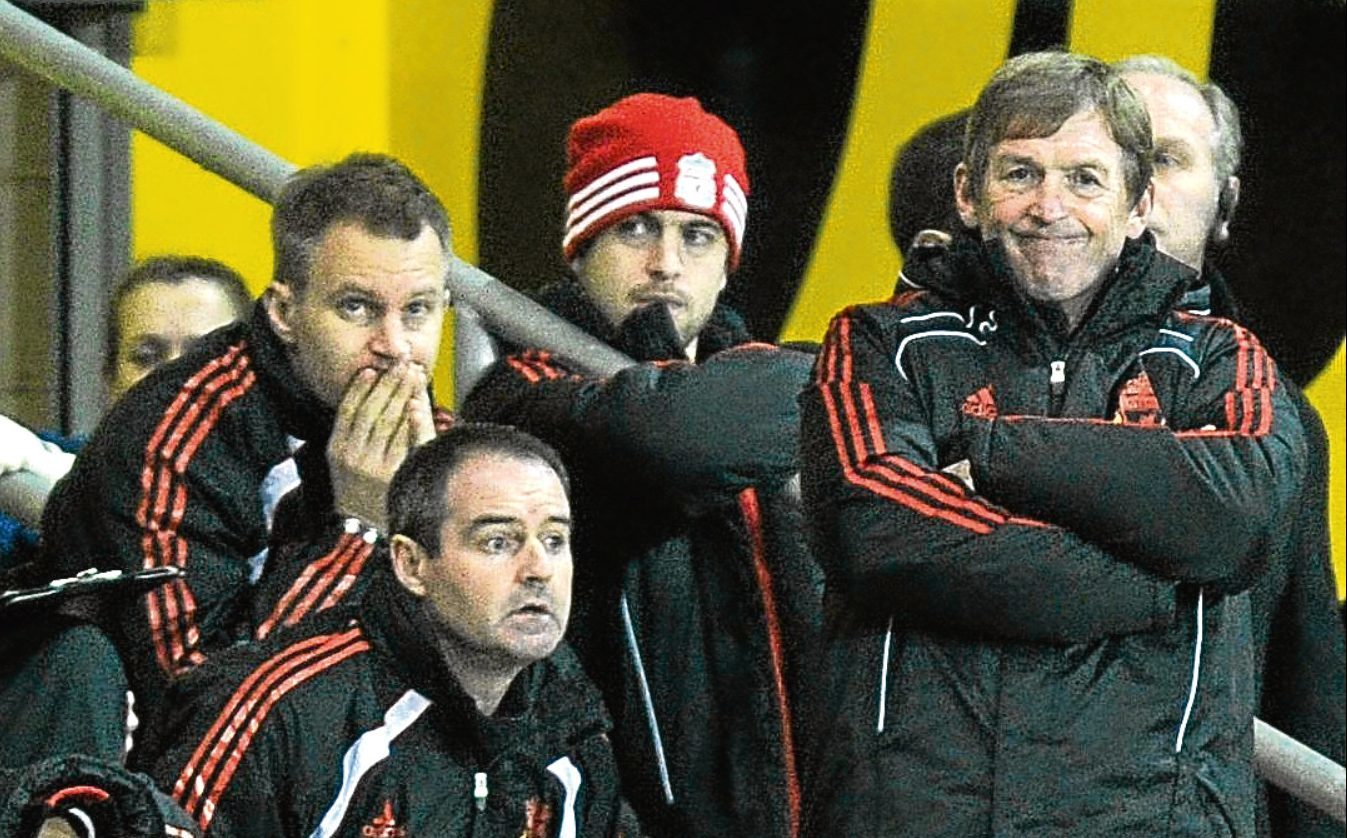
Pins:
<point x="651" y="151"/>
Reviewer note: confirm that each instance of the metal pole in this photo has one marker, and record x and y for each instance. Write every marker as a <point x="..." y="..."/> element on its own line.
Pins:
<point x="520" y="320"/>
<point x="65" y="62"/>
<point x="1299" y="770"/>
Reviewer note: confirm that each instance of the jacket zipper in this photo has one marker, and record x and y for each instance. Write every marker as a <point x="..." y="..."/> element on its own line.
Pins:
<point x="1056" y="386"/>
<point x="479" y="790"/>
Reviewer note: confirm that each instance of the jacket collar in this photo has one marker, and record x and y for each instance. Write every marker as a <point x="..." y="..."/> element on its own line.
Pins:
<point x="301" y="413"/>
<point x="1212" y="293"/>
<point x="1143" y="287"/>
<point x="724" y="329"/>
<point x="549" y="704"/>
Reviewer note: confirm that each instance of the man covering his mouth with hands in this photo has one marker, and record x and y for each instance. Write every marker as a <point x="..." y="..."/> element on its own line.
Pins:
<point x="323" y="391"/>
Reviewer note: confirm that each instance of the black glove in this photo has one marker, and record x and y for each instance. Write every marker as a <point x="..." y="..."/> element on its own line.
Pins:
<point x="714" y="428"/>
<point x="117" y="801"/>
<point x="649" y="334"/>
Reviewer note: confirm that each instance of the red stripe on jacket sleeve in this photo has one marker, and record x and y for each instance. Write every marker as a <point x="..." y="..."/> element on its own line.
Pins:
<point x="863" y="456"/>
<point x="184" y="426"/>
<point x="748" y="505"/>
<point x="206" y="777"/>
<point x="319" y="567"/>
<point x="1249" y="409"/>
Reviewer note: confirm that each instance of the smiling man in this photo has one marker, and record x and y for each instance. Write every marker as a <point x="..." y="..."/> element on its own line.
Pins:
<point x="1060" y="644"/>
<point x="697" y="611"/>
<point x="325" y="387"/>
<point x="446" y="706"/>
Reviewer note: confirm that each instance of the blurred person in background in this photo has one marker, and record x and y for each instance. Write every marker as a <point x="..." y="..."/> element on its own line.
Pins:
<point x="62" y="688"/>
<point x="1300" y="664"/>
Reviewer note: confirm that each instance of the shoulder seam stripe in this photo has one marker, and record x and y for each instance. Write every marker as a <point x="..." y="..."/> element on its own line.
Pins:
<point x="198" y="790"/>
<point x="171" y="609"/>
<point x="249" y="731"/>
<point x="302" y="647"/>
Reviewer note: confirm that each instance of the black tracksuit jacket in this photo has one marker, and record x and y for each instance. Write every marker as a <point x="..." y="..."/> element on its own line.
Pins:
<point x="696" y="600"/>
<point x="1065" y="649"/>
<point x="188" y="470"/>
<point x="1300" y="661"/>
<point x="353" y="726"/>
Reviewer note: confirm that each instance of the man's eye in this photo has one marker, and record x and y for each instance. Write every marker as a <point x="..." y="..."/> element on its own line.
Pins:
<point x="1165" y="160"/>
<point x="555" y="543"/>
<point x="1017" y="178"/>
<point x="1086" y="181"/>
<point x="498" y="545"/>
<point x="636" y="228"/>
<point x="418" y="310"/>
<point x="700" y="236"/>
<point x="354" y="309"/>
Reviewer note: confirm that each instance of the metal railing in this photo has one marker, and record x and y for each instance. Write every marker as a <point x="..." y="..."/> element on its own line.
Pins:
<point x="63" y="61"/>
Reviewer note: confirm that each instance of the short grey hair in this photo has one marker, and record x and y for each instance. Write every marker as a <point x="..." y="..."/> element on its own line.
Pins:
<point x="1228" y="143"/>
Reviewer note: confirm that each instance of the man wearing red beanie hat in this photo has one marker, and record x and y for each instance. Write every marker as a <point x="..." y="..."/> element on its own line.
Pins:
<point x="666" y="181"/>
<point x="697" y="601"/>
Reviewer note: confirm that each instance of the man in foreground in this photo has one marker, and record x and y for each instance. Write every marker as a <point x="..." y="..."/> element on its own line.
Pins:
<point x="444" y="707"/>
<point x="1059" y="646"/>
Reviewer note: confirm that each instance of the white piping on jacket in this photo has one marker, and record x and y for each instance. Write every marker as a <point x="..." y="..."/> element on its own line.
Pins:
<point x="649" y="702"/>
<point x="934" y="333"/>
<point x="565" y="771"/>
<point x="1197" y="669"/>
<point x="1197" y="371"/>
<point x="884" y="677"/>
<point x="918" y="318"/>
<point x="1179" y="335"/>
<point x="366" y="752"/>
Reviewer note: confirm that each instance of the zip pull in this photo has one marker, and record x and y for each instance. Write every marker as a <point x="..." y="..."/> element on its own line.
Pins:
<point x="479" y="790"/>
<point x="1057" y="377"/>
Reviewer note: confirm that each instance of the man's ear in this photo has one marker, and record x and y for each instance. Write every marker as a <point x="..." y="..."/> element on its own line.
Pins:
<point x="1141" y="213"/>
<point x="279" y="299"/>
<point x="963" y="197"/>
<point x="1226" y="202"/>
<point x="409" y="564"/>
